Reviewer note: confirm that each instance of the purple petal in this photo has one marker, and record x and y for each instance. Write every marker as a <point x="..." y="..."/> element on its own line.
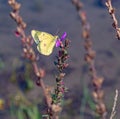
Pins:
<point x="61" y="39"/>
<point x="17" y="34"/>
<point x="58" y="42"/>
<point x="63" y="36"/>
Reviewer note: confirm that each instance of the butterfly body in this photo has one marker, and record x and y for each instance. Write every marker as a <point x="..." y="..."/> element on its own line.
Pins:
<point x="45" y="41"/>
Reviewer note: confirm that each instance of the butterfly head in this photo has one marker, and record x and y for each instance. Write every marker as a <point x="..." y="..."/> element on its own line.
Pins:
<point x="34" y="34"/>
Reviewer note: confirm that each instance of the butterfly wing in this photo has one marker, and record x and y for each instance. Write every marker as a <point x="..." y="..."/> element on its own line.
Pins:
<point x="46" y="46"/>
<point x="45" y="41"/>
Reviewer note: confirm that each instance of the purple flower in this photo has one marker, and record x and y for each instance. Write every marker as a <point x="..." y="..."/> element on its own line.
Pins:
<point x="58" y="42"/>
<point x="63" y="36"/>
<point x="61" y="39"/>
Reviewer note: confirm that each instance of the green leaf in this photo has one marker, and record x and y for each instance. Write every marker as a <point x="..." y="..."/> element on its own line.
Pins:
<point x="30" y="84"/>
<point x="37" y="113"/>
<point x="34" y="113"/>
<point x="12" y="109"/>
<point x="20" y="114"/>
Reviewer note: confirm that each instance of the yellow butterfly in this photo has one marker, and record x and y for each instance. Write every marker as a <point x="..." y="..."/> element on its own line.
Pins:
<point x="45" y="41"/>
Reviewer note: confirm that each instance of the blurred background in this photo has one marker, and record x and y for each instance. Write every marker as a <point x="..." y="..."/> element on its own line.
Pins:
<point x="16" y="74"/>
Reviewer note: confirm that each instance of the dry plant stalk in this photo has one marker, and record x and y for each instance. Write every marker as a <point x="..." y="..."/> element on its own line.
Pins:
<point x="114" y="105"/>
<point x="111" y="11"/>
<point x="29" y="53"/>
<point x="58" y="95"/>
<point x="97" y="93"/>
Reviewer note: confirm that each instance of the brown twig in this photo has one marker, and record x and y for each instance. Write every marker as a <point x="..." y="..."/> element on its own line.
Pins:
<point x="114" y="105"/>
<point x="89" y="58"/>
<point x="29" y="53"/>
<point x="111" y="11"/>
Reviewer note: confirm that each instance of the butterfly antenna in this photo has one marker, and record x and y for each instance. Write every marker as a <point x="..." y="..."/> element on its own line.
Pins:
<point x="57" y="32"/>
